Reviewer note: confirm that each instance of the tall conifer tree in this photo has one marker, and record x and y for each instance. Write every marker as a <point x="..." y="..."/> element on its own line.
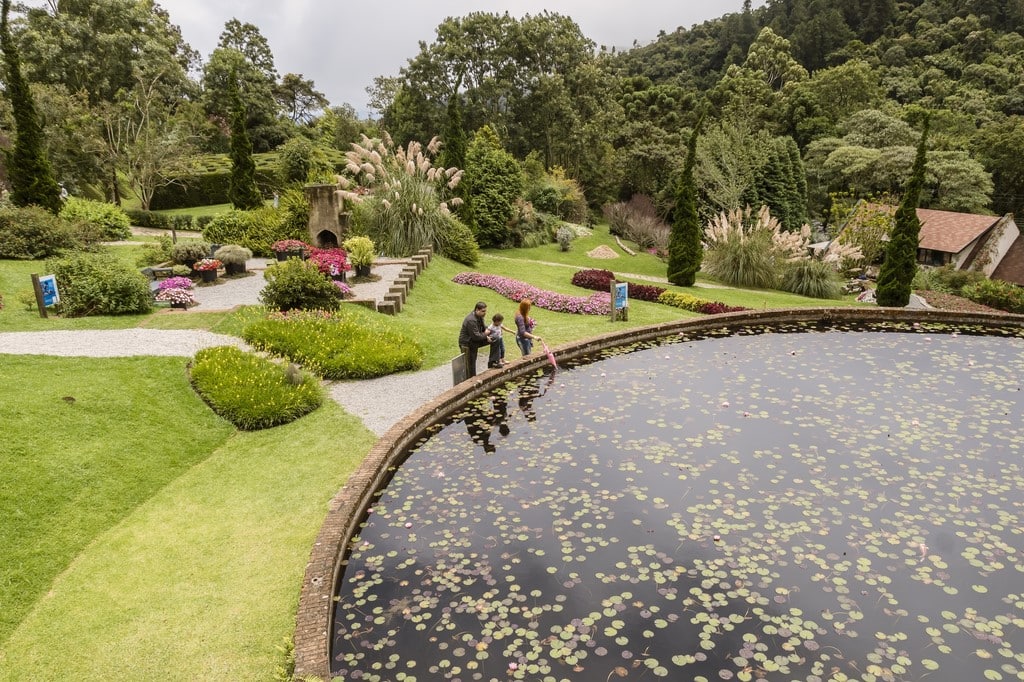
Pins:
<point x="900" y="264"/>
<point x="685" y="251"/>
<point x="28" y="168"/>
<point x="242" y="190"/>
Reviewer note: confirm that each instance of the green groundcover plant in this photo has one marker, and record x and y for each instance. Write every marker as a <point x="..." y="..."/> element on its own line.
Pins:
<point x="253" y="392"/>
<point x="348" y="344"/>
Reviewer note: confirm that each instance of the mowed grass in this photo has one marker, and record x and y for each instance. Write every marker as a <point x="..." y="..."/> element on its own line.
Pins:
<point x="190" y="574"/>
<point x="85" y="442"/>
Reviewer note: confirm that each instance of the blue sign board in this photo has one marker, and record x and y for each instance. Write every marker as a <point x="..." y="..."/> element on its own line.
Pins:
<point x="621" y="295"/>
<point x="48" y="285"/>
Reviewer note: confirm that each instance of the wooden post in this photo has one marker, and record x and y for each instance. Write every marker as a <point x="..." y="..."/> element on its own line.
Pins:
<point x="39" y="296"/>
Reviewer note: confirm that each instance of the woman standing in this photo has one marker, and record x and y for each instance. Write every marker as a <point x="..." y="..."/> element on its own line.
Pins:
<point x="524" y="327"/>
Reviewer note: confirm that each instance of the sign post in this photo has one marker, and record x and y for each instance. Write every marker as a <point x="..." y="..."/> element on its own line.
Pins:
<point x="620" y="301"/>
<point x="47" y="294"/>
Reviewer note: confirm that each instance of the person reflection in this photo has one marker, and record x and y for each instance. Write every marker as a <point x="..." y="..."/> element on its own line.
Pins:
<point x="481" y="422"/>
<point x="530" y="391"/>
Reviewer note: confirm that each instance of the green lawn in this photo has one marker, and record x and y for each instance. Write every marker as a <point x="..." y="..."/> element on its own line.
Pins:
<point x="145" y="538"/>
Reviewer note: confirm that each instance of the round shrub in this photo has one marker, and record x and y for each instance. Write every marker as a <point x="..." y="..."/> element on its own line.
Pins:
<point x="811" y="277"/>
<point x="100" y="284"/>
<point x="32" y="233"/>
<point x="298" y="284"/>
<point x="253" y="392"/>
<point x="190" y="251"/>
<point x="456" y="241"/>
<point x="112" y="221"/>
<point x="233" y="254"/>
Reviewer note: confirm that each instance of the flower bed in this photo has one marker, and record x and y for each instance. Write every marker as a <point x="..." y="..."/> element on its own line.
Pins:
<point x="330" y="261"/>
<point x="600" y="280"/>
<point x="597" y="304"/>
<point x="175" y="283"/>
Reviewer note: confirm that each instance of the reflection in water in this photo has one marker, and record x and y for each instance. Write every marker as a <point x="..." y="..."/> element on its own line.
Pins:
<point x="781" y="506"/>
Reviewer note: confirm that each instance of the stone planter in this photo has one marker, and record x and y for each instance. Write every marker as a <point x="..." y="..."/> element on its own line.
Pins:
<point x="208" y="275"/>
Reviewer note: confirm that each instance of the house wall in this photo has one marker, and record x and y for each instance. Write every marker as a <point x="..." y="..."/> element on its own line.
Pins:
<point x="1005" y="234"/>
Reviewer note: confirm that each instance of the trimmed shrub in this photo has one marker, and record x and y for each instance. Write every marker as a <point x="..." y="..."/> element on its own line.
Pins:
<point x="811" y="277"/>
<point x="190" y="251"/>
<point x="349" y="344"/>
<point x="32" y="233"/>
<point x="204" y="189"/>
<point x="141" y="218"/>
<point x="112" y="222"/>
<point x="154" y="253"/>
<point x="996" y="293"/>
<point x="100" y="284"/>
<point x="456" y="241"/>
<point x="233" y="254"/>
<point x="298" y="284"/>
<point x="253" y="392"/>
<point x="256" y="230"/>
<point x="601" y="280"/>
<point x="696" y="305"/>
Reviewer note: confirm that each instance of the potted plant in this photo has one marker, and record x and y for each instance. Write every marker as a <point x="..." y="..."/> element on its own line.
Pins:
<point x="187" y="253"/>
<point x="288" y="248"/>
<point x="177" y="297"/>
<point x="360" y="254"/>
<point x="332" y="262"/>
<point x="175" y="282"/>
<point x="234" y="258"/>
<point x="207" y="268"/>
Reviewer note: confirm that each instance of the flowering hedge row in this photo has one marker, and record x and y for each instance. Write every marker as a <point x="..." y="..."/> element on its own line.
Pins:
<point x="600" y="280"/>
<point x="597" y="304"/>
<point x="697" y="305"/>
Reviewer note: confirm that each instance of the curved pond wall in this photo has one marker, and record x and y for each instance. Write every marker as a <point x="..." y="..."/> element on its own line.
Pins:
<point x="347" y="508"/>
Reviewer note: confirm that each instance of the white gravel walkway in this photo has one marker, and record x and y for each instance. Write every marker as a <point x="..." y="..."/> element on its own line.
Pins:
<point x="381" y="402"/>
<point x="114" y="343"/>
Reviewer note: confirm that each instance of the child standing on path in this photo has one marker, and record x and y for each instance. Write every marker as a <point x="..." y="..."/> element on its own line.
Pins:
<point x="496" y="358"/>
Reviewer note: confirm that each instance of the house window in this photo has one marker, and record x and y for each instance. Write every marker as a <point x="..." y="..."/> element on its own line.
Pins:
<point x="936" y="258"/>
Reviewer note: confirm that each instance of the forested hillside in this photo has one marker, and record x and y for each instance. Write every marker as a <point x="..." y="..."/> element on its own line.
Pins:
<point x="818" y="96"/>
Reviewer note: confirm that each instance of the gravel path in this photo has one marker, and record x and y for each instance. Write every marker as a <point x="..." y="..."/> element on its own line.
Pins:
<point x="114" y="343"/>
<point x="381" y="402"/>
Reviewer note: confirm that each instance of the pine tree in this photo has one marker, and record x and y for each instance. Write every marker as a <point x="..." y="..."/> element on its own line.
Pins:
<point x="31" y="177"/>
<point x="900" y="264"/>
<point x="685" y="250"/>
<point x="242" y="190"/>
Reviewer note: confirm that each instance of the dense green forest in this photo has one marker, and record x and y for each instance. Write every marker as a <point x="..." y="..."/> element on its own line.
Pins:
<point x="803" y="101"/>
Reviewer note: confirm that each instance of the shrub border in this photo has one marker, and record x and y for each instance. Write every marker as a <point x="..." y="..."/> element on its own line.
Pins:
<point x="314" y="620"/>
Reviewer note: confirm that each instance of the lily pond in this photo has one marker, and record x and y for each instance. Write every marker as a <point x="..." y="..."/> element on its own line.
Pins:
<point x="791" y="502"/>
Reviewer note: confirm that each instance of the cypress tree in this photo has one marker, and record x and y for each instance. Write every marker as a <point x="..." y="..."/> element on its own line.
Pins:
<point x="685" y="250"/>
<point x="453" y="154"/>
<point x="31" y="177"/>
<point x="242" y="190"/>
<point x="900" y="264"/>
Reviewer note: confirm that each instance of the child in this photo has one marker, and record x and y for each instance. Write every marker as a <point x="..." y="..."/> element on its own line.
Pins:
<point x="496" y="358"/>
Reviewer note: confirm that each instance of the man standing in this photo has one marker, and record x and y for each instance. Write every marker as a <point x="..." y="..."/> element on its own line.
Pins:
<point x="472" y="336"/>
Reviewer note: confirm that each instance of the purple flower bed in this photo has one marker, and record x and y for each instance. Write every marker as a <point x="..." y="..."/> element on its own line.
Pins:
<point x="174" y="283"/>
<point x="597" y="304"/>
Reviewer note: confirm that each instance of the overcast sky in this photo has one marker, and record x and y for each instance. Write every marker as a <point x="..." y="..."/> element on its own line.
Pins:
<point x="342" y="45"/>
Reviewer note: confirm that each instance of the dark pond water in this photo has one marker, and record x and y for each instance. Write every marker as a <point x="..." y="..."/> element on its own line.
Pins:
<point x="827" y="505"/>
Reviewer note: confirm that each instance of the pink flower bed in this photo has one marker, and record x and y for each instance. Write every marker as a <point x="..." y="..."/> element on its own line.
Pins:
<point x="596" y="304"/>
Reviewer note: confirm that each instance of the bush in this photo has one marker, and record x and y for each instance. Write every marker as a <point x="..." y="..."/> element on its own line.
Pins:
<point x="696" y="305"/>
<point x="456" y="241"/>
<point x="100" y="284"/>
<point x="205" y="189"/>
<point x="233" y="254"/>
<point x="564" y="238"/>
<point x="601" y="280"/>
<point x="996" y="293"/>
<point x="112" y="222"/>
<point x="743" y="261"/>
<point x="351" y="344"/>
<point x="256" y="230"/>
<point x="253" y="392"/>
<point x="812" y="278"/>
<point x="154" y="253"/>
<point x="33" y="233"/>
<point x="190" y="251"/>
<point x="142" y="218"/>
<point x="946" y="279"/>
<point x="298" y="284"/>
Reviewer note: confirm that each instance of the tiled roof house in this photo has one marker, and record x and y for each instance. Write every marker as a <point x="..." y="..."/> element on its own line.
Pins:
<point x="989" y="244"/>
